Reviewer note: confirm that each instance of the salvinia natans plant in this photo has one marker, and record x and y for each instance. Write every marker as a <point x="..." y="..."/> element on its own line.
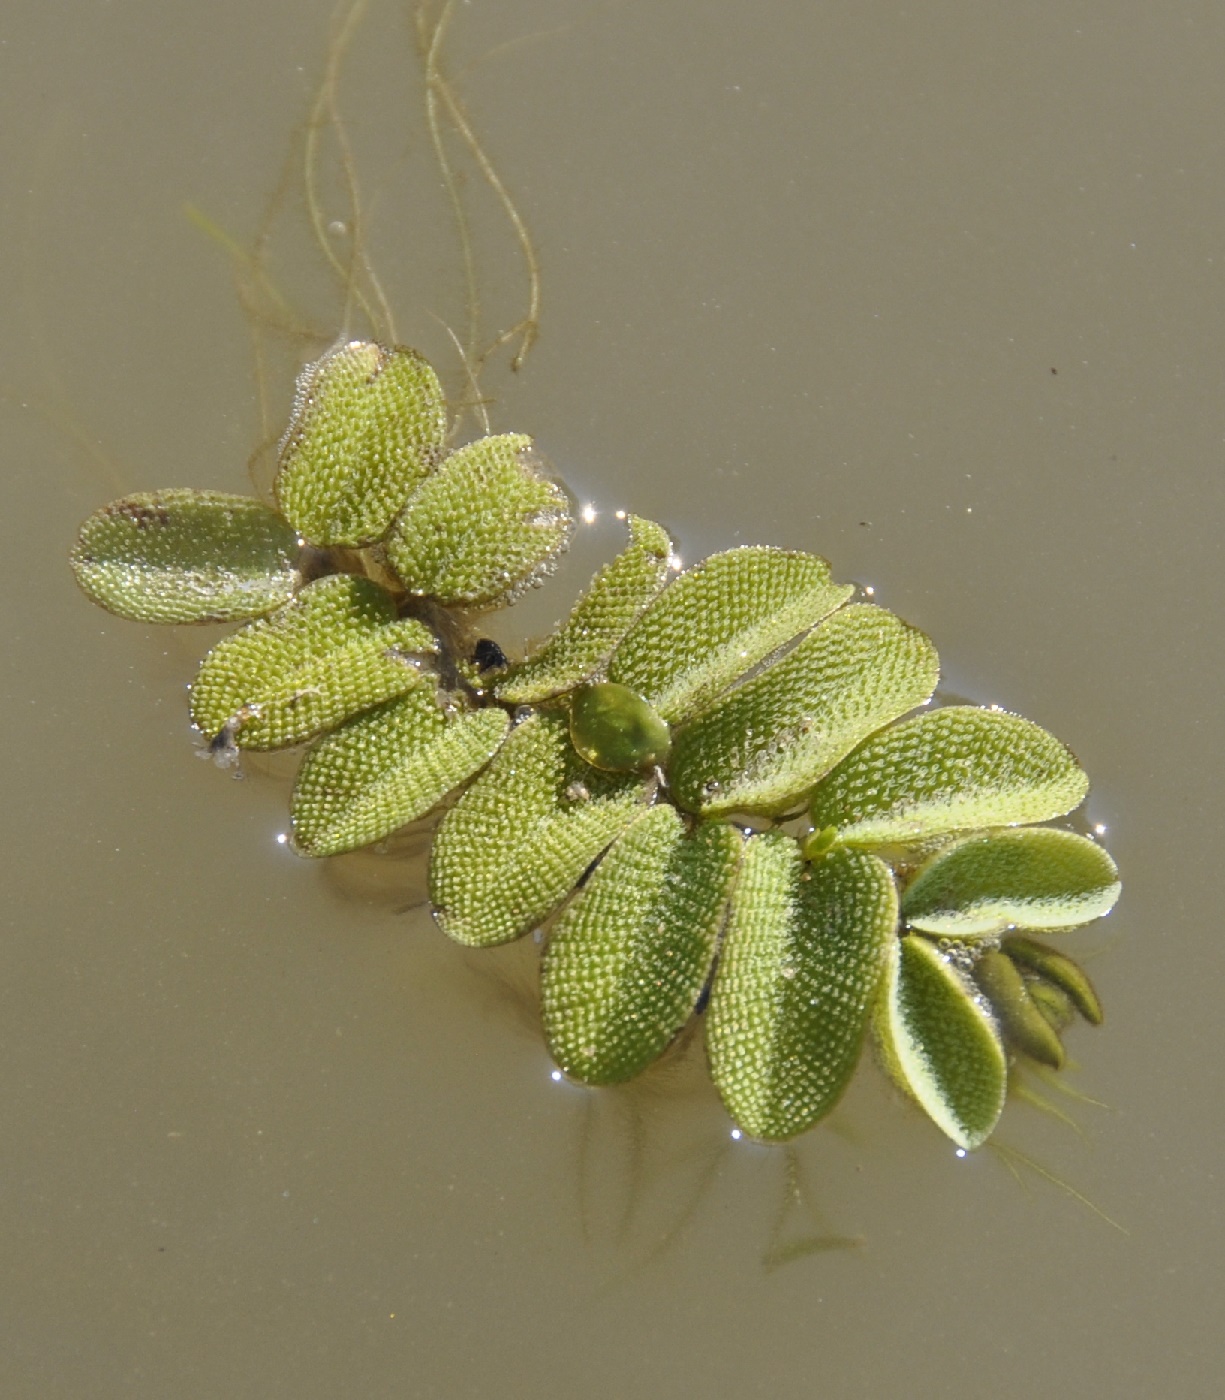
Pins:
<point x="723" y="792"/>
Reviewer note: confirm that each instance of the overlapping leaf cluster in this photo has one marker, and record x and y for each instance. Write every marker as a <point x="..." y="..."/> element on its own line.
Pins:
<point x="705" y="787"/>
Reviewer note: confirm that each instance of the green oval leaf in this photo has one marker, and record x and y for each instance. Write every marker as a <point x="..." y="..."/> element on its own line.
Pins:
<point x="386" y="768"/>
<point x="186" y="556"/>
<point x="518" y="841"/>
<point x="1036" y="877"/>
<point x="630" y="955"/>
<point x="949" y="770"/>
<point x="600" y="619"/>
<point x="800" y="967"/>
<point x="715" y="622"/>
<point x="484" y="527"/>
<point x="614" y="729"/>
<point x="764" y="746"/>
<point x="368" y="424"/>
<point x="940" y="1043"/>
<point x="332" y="652"/>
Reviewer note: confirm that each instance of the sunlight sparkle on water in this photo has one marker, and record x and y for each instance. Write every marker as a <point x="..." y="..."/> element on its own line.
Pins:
<point x="589" y="514"/>
<point x="555" y="1076"/>
<point x="735" y="1134"/>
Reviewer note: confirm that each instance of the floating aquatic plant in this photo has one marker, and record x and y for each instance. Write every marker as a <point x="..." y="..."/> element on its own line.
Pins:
<point x="720" y="792"/>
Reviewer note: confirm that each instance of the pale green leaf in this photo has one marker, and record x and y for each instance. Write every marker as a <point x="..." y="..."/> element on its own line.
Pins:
<point x="798" y="972"/>
<point x="332" y="652"/>
<point x="763" y="747"/>
<point x="715" y="622"/>
<point x="519" y="840"/>
<point x="186" y="556"/>
<point x="1035" y="877"/>
<point x="386" y="768"/>
<point x="940" y="1043"/>
<point x="485" y="526"/>
<point x="630" y="955"/>
<point x="949" y="770"/>
<point x="368" y="425"/>
<point x="582" y="645"/>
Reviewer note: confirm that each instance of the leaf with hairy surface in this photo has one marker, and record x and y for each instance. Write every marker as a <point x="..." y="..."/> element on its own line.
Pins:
<point x="367" y="427"/>
<point x="763" y="747"/>
<point x="717" y="621"/>
<point x="952" y="769"/>
<point x="518" y="841"/>
<point x="187" y="556"/>
<point x="386" y="768"/>
<point x="334" y="651"/>
<point x="630" y="955"/>
<point x="798" y="972"/>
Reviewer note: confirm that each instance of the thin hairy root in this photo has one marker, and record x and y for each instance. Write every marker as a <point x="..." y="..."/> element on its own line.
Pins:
<point x="325" y="117"/>
<point x="1055" y="1080"/>
<point x="1012" y="1157"/>
<point x="779" y="1255"/>
<point x="55" y="404"/>
<point x="529" y="327"/>
<point x="521" y="41"/>
<point x="429" y="44"/>
<point x="441" y="95"/>
<point x="1044" y="1105"/>
<point x="673" y="1233"/>
<point x="252" y="276"/>
<point x="476" y="402"/>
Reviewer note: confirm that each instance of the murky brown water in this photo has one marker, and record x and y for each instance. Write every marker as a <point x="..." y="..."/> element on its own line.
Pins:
<point x="934" y="291"/>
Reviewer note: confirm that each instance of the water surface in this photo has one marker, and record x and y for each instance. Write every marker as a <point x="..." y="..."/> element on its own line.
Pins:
<point x="936" y="292"/>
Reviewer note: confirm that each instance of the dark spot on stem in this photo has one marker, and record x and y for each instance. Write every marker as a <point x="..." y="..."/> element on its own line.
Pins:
<point x="487" y="655"/>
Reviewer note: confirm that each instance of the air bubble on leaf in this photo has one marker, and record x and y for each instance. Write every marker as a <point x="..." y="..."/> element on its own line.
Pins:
<point x="616" y="730"/>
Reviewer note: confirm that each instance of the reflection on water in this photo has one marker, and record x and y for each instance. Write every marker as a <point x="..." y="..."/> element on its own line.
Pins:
<point x="268" y="1134"/>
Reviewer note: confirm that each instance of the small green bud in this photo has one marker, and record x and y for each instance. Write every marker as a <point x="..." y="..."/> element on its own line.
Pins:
<point x="1024" y="1026"/>
<point x="1059" y="969"/>
<point x="614" y="728"/>
<point x="1052" y="1001"/>
<point x="820" y="843"/>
